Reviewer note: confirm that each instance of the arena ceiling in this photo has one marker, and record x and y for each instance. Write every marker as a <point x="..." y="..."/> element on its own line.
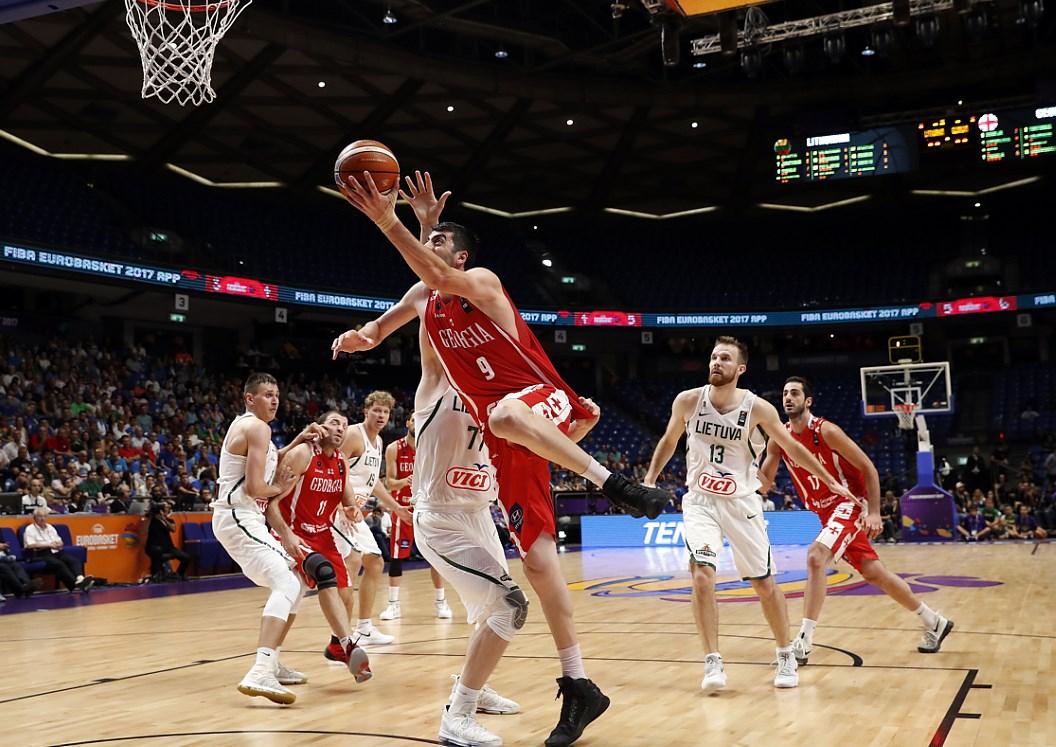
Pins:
<point x="492" y="129"/>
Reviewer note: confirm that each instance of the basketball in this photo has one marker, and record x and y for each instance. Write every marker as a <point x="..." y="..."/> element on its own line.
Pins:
<point x="372" y="156"/>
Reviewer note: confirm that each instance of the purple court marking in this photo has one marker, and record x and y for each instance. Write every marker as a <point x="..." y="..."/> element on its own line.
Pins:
<point x="64" y="600"/>
<point x="960" y="581"/>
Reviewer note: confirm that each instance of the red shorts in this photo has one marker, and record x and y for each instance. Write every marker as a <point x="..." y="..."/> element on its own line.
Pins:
<point x="523" y="476"/>
<point x="322" y="543"/>
<point x="401" y="537"/>
<point x="843" y="533"/>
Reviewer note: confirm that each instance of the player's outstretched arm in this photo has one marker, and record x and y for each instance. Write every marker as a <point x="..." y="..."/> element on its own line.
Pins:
<point x="423" y="200"/>
<point x="768" y="469"/>
<point x="841" y="443"/>
<point x="311" y="433"/>
<point x="478" y="284"/>
<point x="765" y="416"/>
<point x="676" y="426"/>
<point x="371" y="334"/>
<point x="386" y="500"/>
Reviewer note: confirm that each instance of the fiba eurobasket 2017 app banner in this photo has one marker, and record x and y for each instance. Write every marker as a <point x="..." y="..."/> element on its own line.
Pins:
<point x="784" y="528"/>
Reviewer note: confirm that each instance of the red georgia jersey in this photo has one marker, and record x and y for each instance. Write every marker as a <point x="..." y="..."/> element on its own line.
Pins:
<point x="483" y="362"/>
<point x="308" y="508"/>
<point x="815" y="494"/>
<point x="404" y="468"/>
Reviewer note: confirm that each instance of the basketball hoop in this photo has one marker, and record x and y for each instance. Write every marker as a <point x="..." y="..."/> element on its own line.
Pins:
<point x="905" y="412"/>
<point x="177" y="40"/>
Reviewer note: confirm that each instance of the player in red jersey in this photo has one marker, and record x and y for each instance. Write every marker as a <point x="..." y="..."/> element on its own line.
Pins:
<point x="845" y="530"/>
<point x="399" y="467"/>
<point x="529" y="415"/>
<point x="303" y="516"/>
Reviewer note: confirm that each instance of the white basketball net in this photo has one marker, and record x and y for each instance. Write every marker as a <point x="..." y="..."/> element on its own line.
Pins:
<point x="905" y="412"/>
<point x="176" y="40"/>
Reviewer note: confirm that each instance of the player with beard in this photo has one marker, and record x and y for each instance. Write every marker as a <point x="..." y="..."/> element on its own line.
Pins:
<point x="726" y="431"/>
<point x="843" y="521"/>
<point x="305" y="512"/>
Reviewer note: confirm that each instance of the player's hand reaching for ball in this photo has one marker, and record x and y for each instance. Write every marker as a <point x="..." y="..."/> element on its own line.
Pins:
<point x="352" y="341"/>
<point x="421" y="197"/>
<point x="368" y="200"/>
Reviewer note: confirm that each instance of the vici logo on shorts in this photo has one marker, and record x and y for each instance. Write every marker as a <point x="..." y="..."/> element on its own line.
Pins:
<point x="467" y="478"/>
<point x="716" y="484"/>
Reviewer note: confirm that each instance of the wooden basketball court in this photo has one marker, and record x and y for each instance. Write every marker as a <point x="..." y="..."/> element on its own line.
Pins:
<point x="163" y="671"/>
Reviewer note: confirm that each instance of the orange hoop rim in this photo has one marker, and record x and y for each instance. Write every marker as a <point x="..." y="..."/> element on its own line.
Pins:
<point x="201" y="8"/>
<point x="906" y="406"/>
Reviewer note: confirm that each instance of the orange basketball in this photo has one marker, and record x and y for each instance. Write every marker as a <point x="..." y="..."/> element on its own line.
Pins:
<point x="372" y="156"/>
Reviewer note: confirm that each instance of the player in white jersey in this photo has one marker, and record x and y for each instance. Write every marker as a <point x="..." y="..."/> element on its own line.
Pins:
<point x="454" y="484"/>
<point x="726" y="431"/>
<point x="364" y="450"/>
<point x="247" y="481"/>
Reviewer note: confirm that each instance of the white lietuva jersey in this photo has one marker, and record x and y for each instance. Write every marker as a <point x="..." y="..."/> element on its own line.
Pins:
<point x="363" y="470"/>
<point x="452" y="471"/>
<point x="231" y="475"/>
<point x="722" y="453"/>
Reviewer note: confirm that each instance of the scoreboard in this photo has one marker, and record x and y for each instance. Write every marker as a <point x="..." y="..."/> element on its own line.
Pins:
<point x="844" y="155"/>
<point x="1020" y="134"/>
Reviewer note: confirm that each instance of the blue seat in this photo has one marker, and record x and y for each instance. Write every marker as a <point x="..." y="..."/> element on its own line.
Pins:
<point x="192" y="544"/>
<point x="224" y="563"/>
<point x="81" y="553"/>
<point x="15" y="541"/>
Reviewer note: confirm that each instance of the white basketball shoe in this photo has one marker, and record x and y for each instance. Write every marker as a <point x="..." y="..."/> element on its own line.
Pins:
<point x="392" y="612"/>
<point x="287" y="676"/>
<point x="714" y="674"/>
<point x="493" y="703"/>
<point x="464" y="731"/>
<point x="801" y="649"/>
<point x="934" y="637"/>
<point x="443" y="611"/>
<point x="262" y="682"/>
<point x="372" y="637"/>
<point x="787" y="671"/>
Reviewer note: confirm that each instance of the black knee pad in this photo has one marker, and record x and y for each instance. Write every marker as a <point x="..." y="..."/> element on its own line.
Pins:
<point x="519" y="602"/>
<point x="321" y="571"/>
<point x="395" y="568"/>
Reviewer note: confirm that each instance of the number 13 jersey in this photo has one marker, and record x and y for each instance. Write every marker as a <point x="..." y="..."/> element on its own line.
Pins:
<point x="722" y="451"/>
<point x="482" y="361"/>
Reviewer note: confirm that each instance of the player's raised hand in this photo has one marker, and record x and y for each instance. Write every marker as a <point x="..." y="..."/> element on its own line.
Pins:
<point x="421" y="197"/>
<point x="352" y="341"/>
<point x="366" y="198"/>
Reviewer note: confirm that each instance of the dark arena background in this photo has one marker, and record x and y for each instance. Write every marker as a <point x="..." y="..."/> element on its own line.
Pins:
<point x="863" y="193"/>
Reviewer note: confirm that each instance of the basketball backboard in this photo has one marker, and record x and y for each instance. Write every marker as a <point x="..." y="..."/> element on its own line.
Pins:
<point x="924" y="384"/>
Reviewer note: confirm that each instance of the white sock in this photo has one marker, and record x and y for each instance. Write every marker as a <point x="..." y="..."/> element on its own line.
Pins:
<point x="463" y="700"/>
<point x="345" y="641"/>
<point x="267" y="658"/>
<point x="364" y="626"/>
<point x="440" y="594"/>
<point x="807" y="630"/>
<point x="784" y="650"/>
<point x="928" y="617"/>
<point x="713" y="653"/>
<point x="596" y="473"/>
<point x="394" y="594"/>
<point x="572" y="662"/>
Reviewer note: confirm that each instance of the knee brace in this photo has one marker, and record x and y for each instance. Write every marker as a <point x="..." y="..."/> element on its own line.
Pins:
<point x="509" y="614"/>
<point x="284" y="594"/>
<point x="395" y="568"/>
<point x="320" y="570"/>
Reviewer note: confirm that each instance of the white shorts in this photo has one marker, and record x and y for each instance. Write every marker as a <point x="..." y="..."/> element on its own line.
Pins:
<point x="246" y="538"/>
<point x="708" y="518"/>
<point x="464" y="548"/>
<point x="354" y="538"/>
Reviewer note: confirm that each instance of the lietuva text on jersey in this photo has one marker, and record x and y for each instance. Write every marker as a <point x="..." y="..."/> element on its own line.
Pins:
<point x="472" y="336"/>
<point x="718" y="430"/>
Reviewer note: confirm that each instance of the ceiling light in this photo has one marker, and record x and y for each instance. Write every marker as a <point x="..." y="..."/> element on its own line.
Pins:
<point x="978" y="204"/>
<point x="548" y="263"/>
<point x="570" y="122"/>
<point x="389" y="18"/>
<point x="868" y="51"/>
<point x="695" y="125"/>
<point x="700" y="64"/>
<point x="501" y="53"/>
<point x="321" y="84"/>
<point x="450" y="107"/>
<point x="835" y="45"/>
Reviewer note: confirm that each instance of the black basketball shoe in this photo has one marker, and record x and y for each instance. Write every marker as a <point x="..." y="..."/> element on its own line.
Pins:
<point x="582" y="703"/>
<point x="636" y="500"/>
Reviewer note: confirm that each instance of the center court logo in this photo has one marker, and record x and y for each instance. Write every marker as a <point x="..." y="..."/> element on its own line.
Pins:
<point x="670" y="588"/>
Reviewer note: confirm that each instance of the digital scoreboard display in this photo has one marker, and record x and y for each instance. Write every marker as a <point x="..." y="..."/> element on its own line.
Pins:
<point x="946" y="133"/>
<point x="845" y="155"/>
<point x="1017" y="135"/>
